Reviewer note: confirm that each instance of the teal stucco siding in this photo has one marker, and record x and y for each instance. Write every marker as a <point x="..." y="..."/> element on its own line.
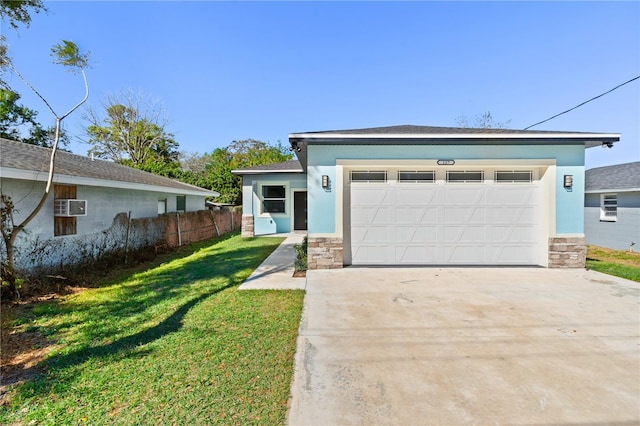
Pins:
<point x="266" y="223"/>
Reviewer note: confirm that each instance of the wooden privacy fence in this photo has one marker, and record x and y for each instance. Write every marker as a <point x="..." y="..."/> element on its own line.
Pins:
<point x="185" y="228"/>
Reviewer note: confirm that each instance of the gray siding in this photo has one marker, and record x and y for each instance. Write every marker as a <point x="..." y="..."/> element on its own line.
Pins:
<point x="615" y="235"/>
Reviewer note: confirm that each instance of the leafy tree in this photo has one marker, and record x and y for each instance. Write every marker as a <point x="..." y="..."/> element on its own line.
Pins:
<point x="67" y="54"/>
<point x="482" y="121"/>
<point x="16" y="120"/>
<point x="237" y="155"/>
<point x="133" y="133"/>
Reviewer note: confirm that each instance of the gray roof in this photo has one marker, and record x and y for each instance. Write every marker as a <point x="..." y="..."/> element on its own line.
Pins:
<point x="408" y="129"/>
<point x="291" y="166"/>
<point x="618" y="177"/>
<point x="437" y="136"/>
<point x="23" y="156"/>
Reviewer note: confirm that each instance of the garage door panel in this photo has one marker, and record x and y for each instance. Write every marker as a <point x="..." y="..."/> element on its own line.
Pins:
<point x="369" y="215"/>
<point x="509" y="196"/>
<point x="511" y="215"/>
<point x="417" y="215"/>
<point x="371" y="234"/>
<point x="511" y="254"/>
<point x="372" y="196"/>
<point x="467" y="254"/>
<point x="461" y="196"/>
<point x="372" y="255"/>
<point x="416" y="255"/>
<point x="412" y="234"/>
<point x="416" y="196"/>
<point x="458" y="223"/>
<point x="511" y="234"/>
<point x="464" y="215"/>
<point x="456" y="234"/>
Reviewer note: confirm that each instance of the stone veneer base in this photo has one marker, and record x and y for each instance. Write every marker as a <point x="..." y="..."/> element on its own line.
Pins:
<point x="247" y="226"/>
<point x="567" y="252"/>
<point x="324" y="253"/>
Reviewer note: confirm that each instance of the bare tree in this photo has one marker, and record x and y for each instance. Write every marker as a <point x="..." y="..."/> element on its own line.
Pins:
<point x="482" y="121"/>
<point x="68" y="55"/>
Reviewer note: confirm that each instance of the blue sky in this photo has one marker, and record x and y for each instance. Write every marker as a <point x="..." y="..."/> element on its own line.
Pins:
<point x="234" y="70"/>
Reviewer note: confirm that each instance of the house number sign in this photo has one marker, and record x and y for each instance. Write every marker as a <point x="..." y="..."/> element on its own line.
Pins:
<point x="446" y="162"/>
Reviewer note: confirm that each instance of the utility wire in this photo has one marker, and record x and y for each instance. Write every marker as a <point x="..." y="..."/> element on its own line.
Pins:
<point x="585" y="102"/>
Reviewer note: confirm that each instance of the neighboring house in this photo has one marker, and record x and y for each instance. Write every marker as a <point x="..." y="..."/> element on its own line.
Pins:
<point x="417" y="195"/>
<point x="612" y="206"/>
<point x="87" y="194"/>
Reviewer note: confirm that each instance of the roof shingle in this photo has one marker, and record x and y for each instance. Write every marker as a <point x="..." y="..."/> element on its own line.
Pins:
<point x="616" y="177"/>
<point x="22" y="156"/>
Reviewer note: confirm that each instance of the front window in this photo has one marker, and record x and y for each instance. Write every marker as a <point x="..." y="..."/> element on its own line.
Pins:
<point x="273" y="199"/>
<point x="609" y="207"/>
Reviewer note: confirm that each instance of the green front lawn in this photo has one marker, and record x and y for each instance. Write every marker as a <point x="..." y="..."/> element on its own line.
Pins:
<point x="174" y="344"/>
<point x="620" y="263"/>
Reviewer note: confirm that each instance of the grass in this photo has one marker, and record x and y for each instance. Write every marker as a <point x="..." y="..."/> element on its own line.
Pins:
<point x="620" y="263"/>
<point x="174" y="344"/>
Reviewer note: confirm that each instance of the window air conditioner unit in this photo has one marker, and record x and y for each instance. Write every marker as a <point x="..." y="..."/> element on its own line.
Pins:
<point x="68" y="208"/>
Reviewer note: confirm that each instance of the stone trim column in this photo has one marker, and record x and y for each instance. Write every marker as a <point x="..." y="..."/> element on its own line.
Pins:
<point x="324" y="253"/>
<point x="567" y="252"/>
<point x="247" y="225"/>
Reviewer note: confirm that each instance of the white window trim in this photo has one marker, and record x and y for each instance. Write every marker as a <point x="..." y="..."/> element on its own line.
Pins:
<point x="603" y="215"/>
<point x="287" y="198"/>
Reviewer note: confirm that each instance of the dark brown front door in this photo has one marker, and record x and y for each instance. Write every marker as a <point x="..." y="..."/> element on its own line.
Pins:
<point x="300" y="211"/>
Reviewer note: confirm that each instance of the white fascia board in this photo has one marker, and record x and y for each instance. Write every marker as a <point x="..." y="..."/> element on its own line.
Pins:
<point x="609" y="191"/>
<point x="21" y="174"/>
<point x="456" y="136"/>
<point x="263" y="172"/>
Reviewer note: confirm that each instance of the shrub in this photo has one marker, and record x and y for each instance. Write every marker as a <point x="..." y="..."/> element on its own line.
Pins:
<point x="300" y="263"/>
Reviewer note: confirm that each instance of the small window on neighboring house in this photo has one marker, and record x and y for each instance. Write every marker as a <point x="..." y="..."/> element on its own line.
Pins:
<point x="63" y="225"/>
<point x="181" y="203"/>
<point x="273" y="199"/>
<point x="609" y="207"/>
<point x="162" y="206"/>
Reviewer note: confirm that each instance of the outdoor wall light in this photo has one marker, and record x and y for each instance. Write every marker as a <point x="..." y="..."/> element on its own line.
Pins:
<point x="568" y="181"/>
<point x="325" y="181"/>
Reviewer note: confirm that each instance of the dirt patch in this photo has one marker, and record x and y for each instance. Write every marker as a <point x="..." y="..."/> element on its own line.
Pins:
<point x="620" y="257"/>
<point x="298" y="274"/>
<point x="23" y="348"/>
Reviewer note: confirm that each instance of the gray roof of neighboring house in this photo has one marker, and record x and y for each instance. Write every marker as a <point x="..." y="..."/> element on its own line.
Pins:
<point x="430" y="135"/>
<point x="20" y="156"/>
<point x="291" y="166"/>
<point x="613" y="178"/>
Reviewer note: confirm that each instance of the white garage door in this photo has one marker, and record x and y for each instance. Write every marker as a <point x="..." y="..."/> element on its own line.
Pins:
<point x="463" y="223"/>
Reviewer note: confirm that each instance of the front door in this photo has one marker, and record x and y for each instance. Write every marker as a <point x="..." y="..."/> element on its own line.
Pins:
<point x="300" y="211"/>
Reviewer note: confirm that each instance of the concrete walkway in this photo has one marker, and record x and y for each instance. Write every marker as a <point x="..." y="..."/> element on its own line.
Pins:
<point x="455" y="346"/>
<point x="276" y="272"/>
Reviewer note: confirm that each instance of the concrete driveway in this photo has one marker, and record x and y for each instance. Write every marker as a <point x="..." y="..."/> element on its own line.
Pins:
<point x="449" y="346"/>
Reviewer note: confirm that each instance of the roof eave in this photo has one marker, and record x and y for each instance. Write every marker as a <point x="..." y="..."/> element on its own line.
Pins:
<point x="241" y="172"/>
<point x="598" y="191"/>
<point x="11" y="173"/>
<point x="322" y="137"/>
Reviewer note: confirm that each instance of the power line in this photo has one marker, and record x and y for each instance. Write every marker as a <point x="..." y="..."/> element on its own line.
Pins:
<point x="585" y="102"/>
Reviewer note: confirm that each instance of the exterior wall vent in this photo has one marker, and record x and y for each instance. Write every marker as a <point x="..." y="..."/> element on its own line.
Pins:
<point x="69" y="208"/>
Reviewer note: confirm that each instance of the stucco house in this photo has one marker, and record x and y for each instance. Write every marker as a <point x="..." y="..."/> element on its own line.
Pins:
<point x="612" y="206"/>
<point x="419" y="195"/>
<point x="87" y="194"/>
